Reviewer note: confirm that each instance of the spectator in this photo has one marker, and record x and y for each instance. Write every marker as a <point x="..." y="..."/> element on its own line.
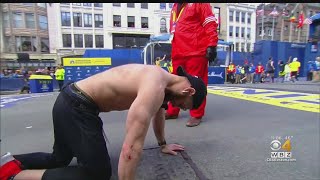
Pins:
<point x="316" y="72"/>
<point x="252" y="69"/>
<point x="270" y="70"/>
<point x="281" y="71"/>
<point x="259" y="70"/>
<point x="310" y="70"/>
<point x="231" y="73"/>
<point x="246" y="72"/>
<point x="238" y="74"/>
<point x="294" y="67"/>
<point x="60" y="76"/>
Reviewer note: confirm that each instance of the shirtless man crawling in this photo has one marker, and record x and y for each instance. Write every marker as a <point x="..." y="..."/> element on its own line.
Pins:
<point x="144" y="90"/>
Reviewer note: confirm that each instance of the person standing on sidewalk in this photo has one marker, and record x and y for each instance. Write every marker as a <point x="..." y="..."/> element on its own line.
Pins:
<point x="60" y="76"/>
<point x="259" y="70"/>
<point x="195" y="38"/>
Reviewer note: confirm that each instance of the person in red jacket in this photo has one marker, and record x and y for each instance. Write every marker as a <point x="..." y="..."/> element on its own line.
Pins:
<point x="195" y="38"/>
<point x="259" y="71"/>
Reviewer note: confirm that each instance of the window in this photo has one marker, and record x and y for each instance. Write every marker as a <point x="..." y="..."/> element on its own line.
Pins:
<point x="65" y="19"/>
<point x="44" y="45"/>
<point x="77" y="20"/>
<point x="230" y="31"/>
<point x="119" y="42"/>
<point x="30" y="20"/>
<point x="116" y="20"/>
<point x="87" y="4"/>
<point x="43" y="5"/>
<point x="249" y="18"/>
<point x="76" y="4"/>
<point x="163" y="25"/>
<point x="131" y="21"/>
<point x="28" y="4"/>
<point x="248" y="47"/>
<point x="99" y="41"/>
<point x="237" y="31"/>
<point x="286" y="27"/>
<point x="25" y="43"/>
<point x="87" y="18"/>
<point x="144" y="22"/>
<point x="98" y="20"/>
<point x="242" y="47"/>
<point x="237" y="16"/>
<point x="248" y="33"/>
<point x="116" y="4"/>
<point x="231" y="16"/>
<point x="88" y="41"/>
<point x="242" y="32"/>
<point x="5" y="20"/>
<point x="78" y="40"/>
<point x="260" y="31"/>
<point x="237" y="46"/>
<point x="130" y="5"/>
<point x="97" y="4"/>
<point x="66" y="38"/>
<point x="243" y="17"/>
<point x="170" y="5"/>
<point x="43" y="22"/>
<point x="7" y="41"/>
<point x="144" y="5"/>
<point x="216" y="12"/>
<point x="17" y="20"/>
<point x="162" y="5"/>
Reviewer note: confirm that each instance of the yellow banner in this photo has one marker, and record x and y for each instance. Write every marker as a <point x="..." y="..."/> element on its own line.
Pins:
<point x="35" y="76"/>
<point x="87" y="61"/>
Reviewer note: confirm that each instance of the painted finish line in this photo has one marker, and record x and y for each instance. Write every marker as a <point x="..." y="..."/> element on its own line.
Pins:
<point x="8" y="101"/>
<point x="293" y="100"/>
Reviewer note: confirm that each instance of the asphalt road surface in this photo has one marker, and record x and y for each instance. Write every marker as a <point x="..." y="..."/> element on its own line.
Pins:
<point x="232" y="143"/>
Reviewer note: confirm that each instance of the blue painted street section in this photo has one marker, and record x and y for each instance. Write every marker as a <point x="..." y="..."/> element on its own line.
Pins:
<point x="286" y="96"/>
<point x="9" y="101"/>
<point x="253" y="91"/>
<point x="307" y="101"/>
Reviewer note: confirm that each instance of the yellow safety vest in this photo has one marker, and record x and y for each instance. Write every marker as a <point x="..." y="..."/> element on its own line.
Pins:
<point x="59" y="74"/>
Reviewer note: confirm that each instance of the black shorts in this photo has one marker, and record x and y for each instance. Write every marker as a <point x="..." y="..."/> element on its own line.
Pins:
<point x="294" y="73"/>
<point x="78" y="132"/>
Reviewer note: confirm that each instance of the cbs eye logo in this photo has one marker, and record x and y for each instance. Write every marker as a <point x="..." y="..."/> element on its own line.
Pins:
<point x="276" y="145"/>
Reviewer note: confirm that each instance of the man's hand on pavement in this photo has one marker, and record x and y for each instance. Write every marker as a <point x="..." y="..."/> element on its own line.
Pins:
<point x="172" y="148"/>
<point x="211" y="54"/>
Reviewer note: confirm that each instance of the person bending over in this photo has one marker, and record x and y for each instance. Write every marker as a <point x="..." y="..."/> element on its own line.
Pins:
<point x="144" y="90"/>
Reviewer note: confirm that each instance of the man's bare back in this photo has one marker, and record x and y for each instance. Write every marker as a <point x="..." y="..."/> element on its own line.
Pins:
<point x="117" y="88"/>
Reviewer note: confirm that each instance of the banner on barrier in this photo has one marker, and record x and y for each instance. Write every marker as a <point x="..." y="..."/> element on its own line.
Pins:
<point x="87" y="61"/>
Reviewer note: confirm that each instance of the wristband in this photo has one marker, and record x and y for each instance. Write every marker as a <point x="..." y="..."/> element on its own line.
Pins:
<point x="162" y="143"/>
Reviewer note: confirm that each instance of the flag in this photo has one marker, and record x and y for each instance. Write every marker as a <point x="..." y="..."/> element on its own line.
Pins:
<point x="285" y="13"/>
<point x="274" y="12"/>
<point x="260" y="12"/>
<point x="300" y="23"/>
<point x="307" y="21"/>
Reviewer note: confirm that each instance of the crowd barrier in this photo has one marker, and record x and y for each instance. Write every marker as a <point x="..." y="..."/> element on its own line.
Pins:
<point x="15" y="84"/>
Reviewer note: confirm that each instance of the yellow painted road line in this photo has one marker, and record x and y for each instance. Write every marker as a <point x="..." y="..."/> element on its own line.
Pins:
<point x="292" y="100"/>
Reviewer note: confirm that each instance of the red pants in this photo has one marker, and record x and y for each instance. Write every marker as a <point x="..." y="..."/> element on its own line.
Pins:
<point x="197" y="66"/>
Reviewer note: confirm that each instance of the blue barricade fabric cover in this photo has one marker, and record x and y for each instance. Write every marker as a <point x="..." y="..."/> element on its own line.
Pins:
<point x="216" y="75"/>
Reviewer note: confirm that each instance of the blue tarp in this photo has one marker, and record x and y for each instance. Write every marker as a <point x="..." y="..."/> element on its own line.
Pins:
<point x="166" y="37"/>
<point x="315" y="17"/>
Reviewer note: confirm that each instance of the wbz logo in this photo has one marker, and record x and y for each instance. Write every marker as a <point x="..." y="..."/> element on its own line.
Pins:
<point x="281" y="150"/>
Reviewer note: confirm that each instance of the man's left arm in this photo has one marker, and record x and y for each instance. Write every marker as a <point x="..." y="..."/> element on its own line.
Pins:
<point x="158" y="123"/>
<point x="209" y="23"/>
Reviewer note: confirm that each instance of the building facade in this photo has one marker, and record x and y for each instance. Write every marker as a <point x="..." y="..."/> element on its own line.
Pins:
<point x="280" y="28"/>
<point x="241" y="25"/>
<point x="218" y="9"/>
<point x="24" y="32"/>
<point x="80" y="26"/>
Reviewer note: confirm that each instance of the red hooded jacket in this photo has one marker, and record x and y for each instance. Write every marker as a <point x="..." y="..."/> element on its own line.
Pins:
<point x="193" y="29"/>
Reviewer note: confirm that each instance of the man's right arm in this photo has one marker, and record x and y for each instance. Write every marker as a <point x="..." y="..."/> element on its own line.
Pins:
<point x="146" y="104"/>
